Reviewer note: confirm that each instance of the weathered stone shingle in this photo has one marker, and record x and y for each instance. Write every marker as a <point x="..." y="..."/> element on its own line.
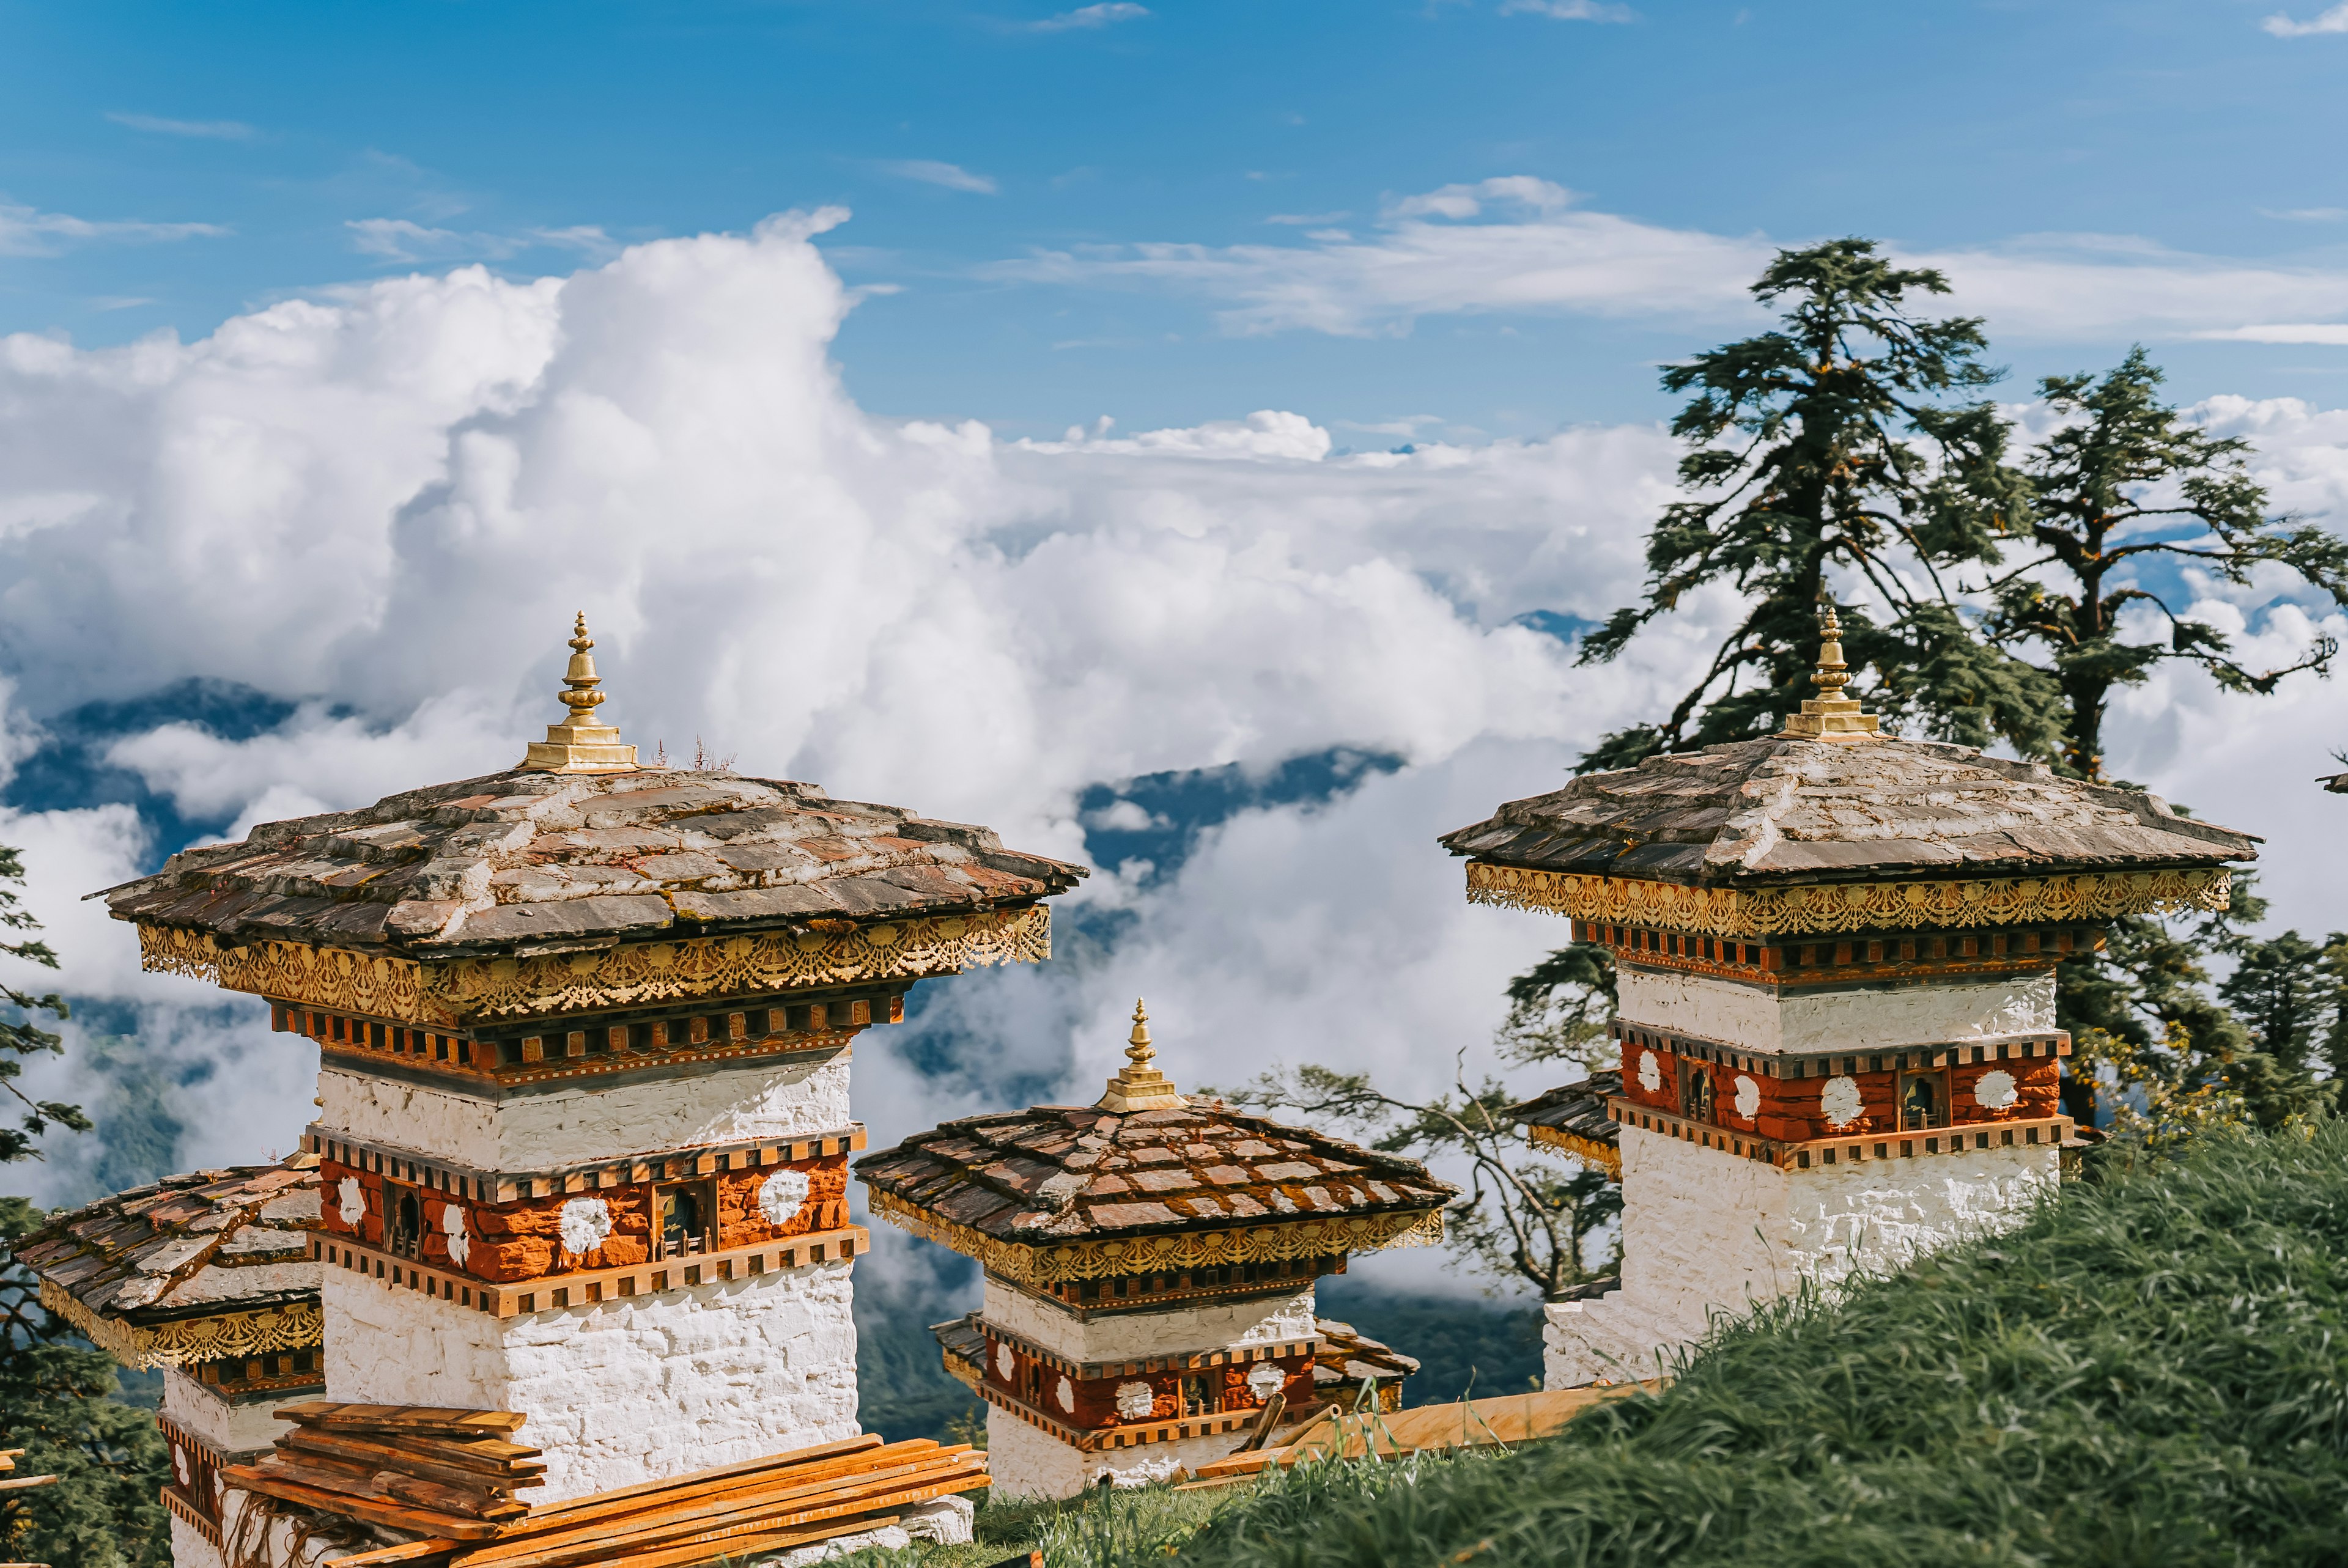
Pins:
<point x="485" y="864"/>
<point x="1792" y="810"/>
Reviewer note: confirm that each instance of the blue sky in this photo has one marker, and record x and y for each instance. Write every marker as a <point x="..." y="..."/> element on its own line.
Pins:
<point x="317" y="145"/>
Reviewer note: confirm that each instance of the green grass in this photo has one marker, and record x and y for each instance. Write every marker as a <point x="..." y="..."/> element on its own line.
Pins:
<point x="2154" y="1371"/>
<point x="1145" y="1523"/>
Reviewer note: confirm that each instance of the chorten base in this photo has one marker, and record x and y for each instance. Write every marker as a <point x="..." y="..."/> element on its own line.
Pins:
<point x="1708" y="1235"/>
<point x="1026" y="1461"/>
<point x="635" y="1389"/>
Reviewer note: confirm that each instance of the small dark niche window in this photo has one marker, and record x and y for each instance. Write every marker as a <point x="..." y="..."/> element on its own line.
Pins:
<point x="406" y="1214"/>
<point x="1923" y="1101"/>
<point x="685" y="1213"/>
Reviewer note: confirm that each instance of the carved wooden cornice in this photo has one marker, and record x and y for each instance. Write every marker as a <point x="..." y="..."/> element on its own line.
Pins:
<point x="1831" y="906"/>
<point x="463" y="991"/>
<point x="1106" y="1259"/>
<point x="295" y="1325"/>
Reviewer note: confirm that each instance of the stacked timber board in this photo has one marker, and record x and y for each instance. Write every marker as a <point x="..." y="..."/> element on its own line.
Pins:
<point x="407" y="1468"/>
<point x="433" y="1480"/>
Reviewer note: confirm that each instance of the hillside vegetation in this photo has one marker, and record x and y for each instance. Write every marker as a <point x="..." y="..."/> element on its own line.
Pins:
<point x="2154" y="1371"/>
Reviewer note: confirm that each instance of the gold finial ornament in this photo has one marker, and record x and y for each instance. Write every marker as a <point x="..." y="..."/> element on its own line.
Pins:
<point x="1830" y="715"/>
<point x="579" y="745"/>
<point x="1137" y="1085"/>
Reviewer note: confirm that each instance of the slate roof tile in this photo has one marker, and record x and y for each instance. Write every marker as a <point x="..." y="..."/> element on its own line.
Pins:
<point x="1788" y="809"/>
<point x="1204" y="1165"/>
<point x="189" y="1246"/>
<point x="486" y="864"/>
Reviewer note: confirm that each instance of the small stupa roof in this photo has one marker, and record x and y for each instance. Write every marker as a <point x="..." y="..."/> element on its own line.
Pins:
<point x="1829" y="797"/>
<point x="1053" y="1174"/>
<point x="573" y="847"/>
<point x="1786" y="809"/>
<point x="206" y="1245"/>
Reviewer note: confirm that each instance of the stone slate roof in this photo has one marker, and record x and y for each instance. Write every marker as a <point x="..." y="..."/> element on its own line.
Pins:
<point x="1577" y="1108"/>
<point x="522" y="859"/>
<point x="1058" y="1173"/>
<point x="1788" y="810"/>
<point x="1349" y="1355"/>
<point x="187" y="1246"/>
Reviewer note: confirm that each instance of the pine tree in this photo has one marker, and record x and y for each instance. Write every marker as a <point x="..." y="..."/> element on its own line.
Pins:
<point x="2123" y="489"/>
<point x="105" y="1510"/>
<point x="1840" y="446"/>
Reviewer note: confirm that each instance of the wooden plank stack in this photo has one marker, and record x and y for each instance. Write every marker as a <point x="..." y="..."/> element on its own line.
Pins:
<point x="420" y="1471"/>
<point x="449" y="1477"/>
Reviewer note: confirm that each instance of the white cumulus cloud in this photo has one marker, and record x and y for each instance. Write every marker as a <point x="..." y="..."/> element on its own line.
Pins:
<point x="1519" y="244"/>
<point x="382" y="505"/>
<point x="932" y="171"/>
<point x="28" y="232"/>
<point x="1570" y="10"/>
<point x="1090" y="17"/>
<point x="2282" y="26"/>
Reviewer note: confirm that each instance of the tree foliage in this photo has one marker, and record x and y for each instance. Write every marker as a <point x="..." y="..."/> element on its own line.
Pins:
<point x="21" y="1035"/>
<point x="1523" y="1217"/>
<point x="55" y="1391"/>
<point x="2123" y="494"/>
<point x="55" y="1404"/>
<point x="1843" y="442"/>
<point x="2189" y="1052"/>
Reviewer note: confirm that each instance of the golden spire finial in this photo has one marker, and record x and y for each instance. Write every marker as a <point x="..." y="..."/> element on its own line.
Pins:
<point x="1830" y="715"/>
<point x="1140" y="1086"/>
<point x="580" y="677"/>
<point x="579" y="745"/>
<point x="1138" y="1049"/>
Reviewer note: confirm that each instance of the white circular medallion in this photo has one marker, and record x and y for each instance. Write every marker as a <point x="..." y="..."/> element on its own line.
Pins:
<point x="782" y="1196"/>
<point x="1265" y="1381"/>
<point x="452" y="1226"/>
<point x="1651" y="1071"/>
<point x="1995" y="1091"/>
<point x="1839" y="1101"/>
<point x="1135" y="1400"/>
<point x="1748" y="1097"/>
<point x="1003" y="1364"/>
<point x="585" y="1223"/>
<point x="1065" y="1396"/>
<point x="354" y="1200"/>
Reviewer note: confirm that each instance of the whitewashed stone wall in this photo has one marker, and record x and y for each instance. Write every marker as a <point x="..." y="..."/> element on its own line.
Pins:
<point x="621" y="1391"/>
<point x="1866" y="1018"/>
<point x="1130" y="1335"/>
<point x="231" y="1428"/>
<point x="1027" y="1461"/>
<point x="1706" y="1232"/>
<point x="573" y="1127"/>
<point x="190" y="1550"/>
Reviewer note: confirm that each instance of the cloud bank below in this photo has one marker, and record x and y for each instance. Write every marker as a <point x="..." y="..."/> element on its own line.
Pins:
<point x="381" y="507"/>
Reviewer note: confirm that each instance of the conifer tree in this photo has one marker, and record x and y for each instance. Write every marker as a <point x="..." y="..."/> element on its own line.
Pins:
<point x="104" y="1512"/>
<point x="2123" y="494"/>
<point x="1846" y="444"/>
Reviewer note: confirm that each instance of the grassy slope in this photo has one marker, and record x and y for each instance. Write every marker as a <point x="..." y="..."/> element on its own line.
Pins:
<point x="2154" y="1371"/>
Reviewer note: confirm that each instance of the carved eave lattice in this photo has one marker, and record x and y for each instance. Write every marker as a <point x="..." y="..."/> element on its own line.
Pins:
<point x="1832" y="906"/>
<point x="1109" y="1257"/>
<point x="458" y="991"/>
<point x="1607" y="1157"/>
<point x="182" y="1342"/>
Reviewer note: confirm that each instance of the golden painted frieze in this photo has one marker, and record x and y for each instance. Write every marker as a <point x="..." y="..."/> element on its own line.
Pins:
<point x="1831" y="906"/>
<point x="1106" y="1259"/>
<point x="462" y="991"/>
<point x="296" y="1326"/>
